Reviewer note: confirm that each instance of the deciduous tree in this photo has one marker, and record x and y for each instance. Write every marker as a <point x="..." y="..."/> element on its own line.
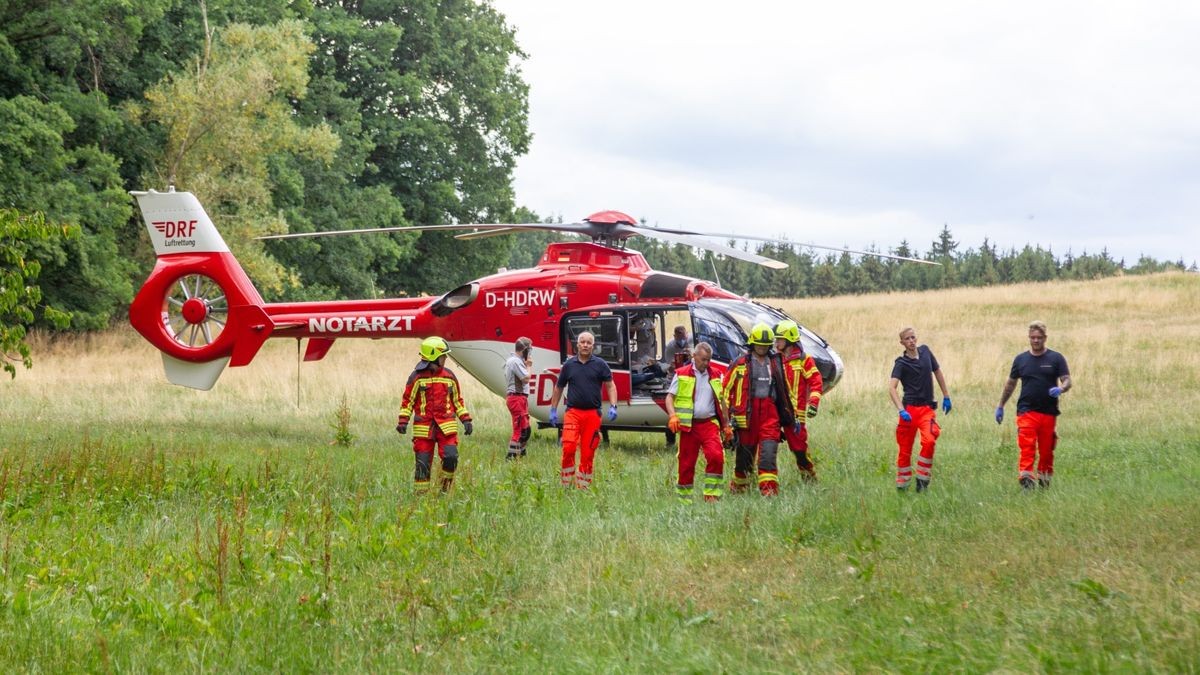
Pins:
<point x="20" y="297"/>
<point x="225" y="118"/>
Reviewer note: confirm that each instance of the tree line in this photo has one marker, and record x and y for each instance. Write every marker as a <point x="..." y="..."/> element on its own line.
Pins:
<point x="815" y="274"/>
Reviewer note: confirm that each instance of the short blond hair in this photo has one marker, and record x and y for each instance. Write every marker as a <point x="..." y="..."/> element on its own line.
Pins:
<point x="1038" y="325"/>
<point x="905" y="330"/>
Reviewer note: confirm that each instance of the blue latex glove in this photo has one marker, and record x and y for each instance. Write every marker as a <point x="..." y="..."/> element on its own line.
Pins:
<point x="612" y="412"/>
<point x="554" y="417"/>
<point x="946" y="405"/>
<point x="468" y="429"/>
<point x="905" y="416"/>
<point x="1056" y="391"/>
<point x="999" y="414"/>
<point x="796" y="426"/>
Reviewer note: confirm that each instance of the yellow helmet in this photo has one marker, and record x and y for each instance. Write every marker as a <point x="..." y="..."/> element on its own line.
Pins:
<point x="433" y="348"/>
<point x="761" y="334"/>
<point x="788" y="330"/>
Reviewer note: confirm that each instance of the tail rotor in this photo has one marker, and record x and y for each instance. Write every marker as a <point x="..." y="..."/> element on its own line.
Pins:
<point x="197" y="311"/>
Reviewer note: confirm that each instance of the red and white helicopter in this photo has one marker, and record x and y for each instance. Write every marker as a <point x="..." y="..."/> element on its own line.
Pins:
<point x="200" y="309"/>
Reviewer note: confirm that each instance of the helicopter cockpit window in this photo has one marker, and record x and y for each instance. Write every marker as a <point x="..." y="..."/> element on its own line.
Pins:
<point x="724" y="324"/>
<point x="643" y="339"/>
<point x="609" y="332"/>
<point x="719" y="331"/>
<point x="677" y="350"/>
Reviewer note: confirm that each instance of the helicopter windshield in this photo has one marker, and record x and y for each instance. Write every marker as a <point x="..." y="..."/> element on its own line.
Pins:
<point x="725" y="324"/>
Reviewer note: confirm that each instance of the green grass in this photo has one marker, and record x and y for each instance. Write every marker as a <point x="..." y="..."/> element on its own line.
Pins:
<point x="147" y="527"/>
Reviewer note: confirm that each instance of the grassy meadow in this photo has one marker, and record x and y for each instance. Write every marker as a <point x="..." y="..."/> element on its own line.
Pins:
<point x="147" y="527"/>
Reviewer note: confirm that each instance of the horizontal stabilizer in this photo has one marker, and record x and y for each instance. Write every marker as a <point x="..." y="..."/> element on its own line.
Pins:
<point x="253" y="327"/>
<point x="195" y="375"/>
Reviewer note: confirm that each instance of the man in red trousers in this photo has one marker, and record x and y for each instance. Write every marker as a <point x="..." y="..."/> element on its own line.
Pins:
<point x="695" y="404"/>
<point x="1044" y="378"/>
<point x="915" y="369"/>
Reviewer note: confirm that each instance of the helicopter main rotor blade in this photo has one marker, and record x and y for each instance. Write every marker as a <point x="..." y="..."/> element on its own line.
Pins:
<point x="851" y="251"/>
<point x="493" y="233"/>
<point x="370" y="230"/>
<point x="586" y="229"/>
<point x="689" y="240"/>
<point x="608" y="231"/>
<point x="490" y="233"/>
<point x="485" y="229"/>
<point x="786" y="242"/>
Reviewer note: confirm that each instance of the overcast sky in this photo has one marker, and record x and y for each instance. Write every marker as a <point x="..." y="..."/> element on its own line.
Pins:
<point x="1073" y="125"/>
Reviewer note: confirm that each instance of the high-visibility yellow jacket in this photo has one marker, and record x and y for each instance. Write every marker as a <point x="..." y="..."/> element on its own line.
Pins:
<point x="804" y="383"/>
<point x="685" y="393"/>
<point x="432" y="398"/>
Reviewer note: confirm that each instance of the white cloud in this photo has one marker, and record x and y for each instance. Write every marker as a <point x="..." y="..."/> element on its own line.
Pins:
<point x="1070" y="125"/>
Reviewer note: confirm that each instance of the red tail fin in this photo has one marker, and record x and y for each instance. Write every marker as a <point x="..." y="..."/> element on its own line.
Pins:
<point x="198" y="307"/>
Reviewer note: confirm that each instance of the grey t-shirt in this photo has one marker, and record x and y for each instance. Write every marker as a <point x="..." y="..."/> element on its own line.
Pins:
<point x="760" y="377"/>
<point x="514" y="374"/>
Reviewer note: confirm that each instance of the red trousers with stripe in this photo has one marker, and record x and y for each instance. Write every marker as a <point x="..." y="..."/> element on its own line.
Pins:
<point x="581" y="433"/>
<point x="704" y="436"/>
<point x="758" y="444"/>
<point x="438" y="442"/>
<point x="924" y="421"/>
<point x="1037" y="438"/>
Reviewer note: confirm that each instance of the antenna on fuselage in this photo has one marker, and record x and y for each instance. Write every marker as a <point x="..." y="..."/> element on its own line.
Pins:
<point x="299" y="361"/>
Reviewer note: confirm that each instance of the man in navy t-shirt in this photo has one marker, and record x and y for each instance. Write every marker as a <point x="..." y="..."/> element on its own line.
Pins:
<point x="582" y="376"/>
<point x="1044" y="378"/>
<point x="915" y="370"/>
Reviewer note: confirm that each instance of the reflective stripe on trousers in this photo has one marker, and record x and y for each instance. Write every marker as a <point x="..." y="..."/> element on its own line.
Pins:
<point x="924" y="421"/>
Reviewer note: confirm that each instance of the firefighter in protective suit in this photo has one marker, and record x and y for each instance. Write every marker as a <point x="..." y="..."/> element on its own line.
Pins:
<point x="804" y="386"/>
<point x="433" y="402"/>
<point x="758" y="401"/>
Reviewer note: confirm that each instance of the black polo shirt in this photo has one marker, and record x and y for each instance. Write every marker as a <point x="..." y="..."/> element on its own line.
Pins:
<point x="1037" y="375"/>
<point x="916" y="376"/>
<point x="584" y="381"/>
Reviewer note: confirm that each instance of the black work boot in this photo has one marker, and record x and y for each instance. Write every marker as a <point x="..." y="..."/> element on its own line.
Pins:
<point x="808" y="472"/>
<point x="922" y="484"/>
<point x="1027" y="482"/>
